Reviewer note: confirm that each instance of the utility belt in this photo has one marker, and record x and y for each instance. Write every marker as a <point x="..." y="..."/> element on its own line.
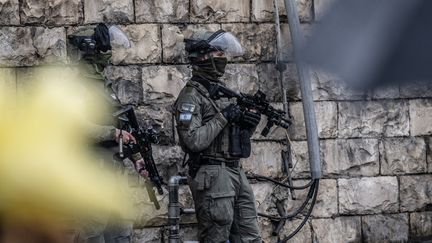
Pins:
<point x="231" y="164"/>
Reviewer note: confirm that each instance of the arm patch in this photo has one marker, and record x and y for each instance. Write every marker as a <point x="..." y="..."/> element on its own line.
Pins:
<point x="185" y="117"/>
<point x="187" y="107"/>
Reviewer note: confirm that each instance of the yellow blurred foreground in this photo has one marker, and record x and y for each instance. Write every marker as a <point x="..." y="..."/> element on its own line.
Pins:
<point x="47" y="173"/>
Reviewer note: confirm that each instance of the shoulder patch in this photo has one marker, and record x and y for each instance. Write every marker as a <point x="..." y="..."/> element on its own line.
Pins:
<point x="187" y="107"/>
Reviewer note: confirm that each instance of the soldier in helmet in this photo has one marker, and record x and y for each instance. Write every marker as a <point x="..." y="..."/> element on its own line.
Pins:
<point x="90" y="49"/>
<point x="224" y="200"/>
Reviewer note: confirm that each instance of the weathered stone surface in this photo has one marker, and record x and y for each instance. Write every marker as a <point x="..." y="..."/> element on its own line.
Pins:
<point x="26" y="46"/>
<point x="162" y="84"/>
<point x="220" y="11"/>
<point x="326" y="115"/>
<point x="169" y="161"/>
<point x="126" y="83"/>
<point x="415" y="192"/>
<point x="265" y="159"/>
<point x="385" y="228"/>
<point x="154" y="235"/>
<point x="350" y="157"/>
<point x="173" y="37"/>
<point x="300" y="159"/>
<point x="420" y="117"/>
<point x="326" y="204"/>
<point x="326" y="86"/>
<point x="368" y="195"/>
<point x="8" y="81"/>
<point x="51" y="12"/>
<point x="421" y="225"/>
<point x="342" y="229"/>
<point x="96" y="11"/>
<point x="258" y="40"/>
<point x="9" y="12"/>
<point x="416" y="89"/>
<point x="403" y="155"/>
<point x="162" y="11"/>
<point x="241" y="78"/>
<point x="388" y="92"/>
<point x="159" y="116"/>
<point x="265" y="202"/>
<point x="264" y="10"/>
<point x="373" y="119"/>
<point x="321" y="7"/>
<point x="146" y="45"/>
<point x="270" y="84"/>
<point x="304" y="235"/>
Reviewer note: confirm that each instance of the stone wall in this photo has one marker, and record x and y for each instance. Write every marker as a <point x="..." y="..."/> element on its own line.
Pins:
<point x="376" y="146"/>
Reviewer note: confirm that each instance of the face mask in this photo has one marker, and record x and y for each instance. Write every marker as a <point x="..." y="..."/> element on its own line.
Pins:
<point x="214" y="66"/>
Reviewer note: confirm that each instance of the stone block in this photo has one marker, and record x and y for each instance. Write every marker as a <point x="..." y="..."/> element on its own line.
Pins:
<point x="326" y="204"/>
<point x="341" y="229"/>
<point x="241" y="78"/>
<point x="416" y="89"/>
<point x="270" y="84"/>
<point x="265" y="159"/>
<point x="300" y="159"/>
<point x="373" y="119"/>
<point x="173" y="37"/>
<point x="327" y="86"/>
<point x="145" y="45"/>
<point x="51" y="12"/>
<point x="126" y="83"/>
<point x="9" y="12"/>
<point x="169" y="160"/>
<point x="403" y="155"/>
<point x="112" y="11"/>
<point x="8" y="81"/>
<point x="265" y="202"/>
<point x="159" y="116"/>
<point x="263" y="11"/>
<point x="420" y="117"/>
<point x="162" y="11"/>
<point x="385" y="228"/>
<point x="415" y="192"/>
<point x="326" y="115"/>
<point x="162" y="84"/>
<point x="387" y="92"/>
<point x="368" y="195"/>
<point x="258" y="40"/>
<point x="267" y="227"/>
<point x="27" y="46"/>
<point x="322" y="7"/>
<point x="220" y="11"/>
<point x="421" y="225"/>
<point x="350" y="157"/>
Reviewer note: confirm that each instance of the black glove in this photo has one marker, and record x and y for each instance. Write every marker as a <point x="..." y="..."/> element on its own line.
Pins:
<point x="250" y="119"/>
<point x="232" y="112"/>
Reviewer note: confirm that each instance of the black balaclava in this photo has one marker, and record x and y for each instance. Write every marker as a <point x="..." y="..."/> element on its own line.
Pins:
<point x="211" y="68"/>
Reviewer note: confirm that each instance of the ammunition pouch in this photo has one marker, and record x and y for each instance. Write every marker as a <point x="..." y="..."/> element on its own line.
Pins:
<point x="239" y="141"/>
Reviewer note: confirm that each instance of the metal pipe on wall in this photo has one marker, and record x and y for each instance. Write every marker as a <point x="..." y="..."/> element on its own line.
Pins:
<point x="306" y="91"/>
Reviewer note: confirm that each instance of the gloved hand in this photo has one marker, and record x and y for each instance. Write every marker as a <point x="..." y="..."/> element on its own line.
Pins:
<point x="232" y="112"/>
<point x="140" y="167"/>
<point x="250" y="119"/>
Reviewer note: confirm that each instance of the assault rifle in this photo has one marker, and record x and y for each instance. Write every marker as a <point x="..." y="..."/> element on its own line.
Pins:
<point x="144" y="137"/>
<point x="258" y="102"/>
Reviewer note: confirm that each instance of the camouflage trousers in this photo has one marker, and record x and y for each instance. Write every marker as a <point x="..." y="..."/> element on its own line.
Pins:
<point x="225" y="205"/>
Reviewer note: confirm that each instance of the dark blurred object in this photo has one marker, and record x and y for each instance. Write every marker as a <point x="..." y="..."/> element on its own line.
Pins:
<point x="370" y="43"/>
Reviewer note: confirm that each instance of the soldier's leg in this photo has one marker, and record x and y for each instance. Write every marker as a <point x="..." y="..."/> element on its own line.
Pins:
<point x="245" y="227"/>
<point x="213" y="194"/>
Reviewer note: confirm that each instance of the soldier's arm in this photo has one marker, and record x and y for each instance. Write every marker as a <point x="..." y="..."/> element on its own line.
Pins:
<point x="99" y="133"/>
<point x="195" y="134"/>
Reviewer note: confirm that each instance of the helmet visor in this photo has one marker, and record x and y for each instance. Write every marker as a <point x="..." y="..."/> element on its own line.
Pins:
<point x="228" y="43"/>
<point x="118" y="38"/>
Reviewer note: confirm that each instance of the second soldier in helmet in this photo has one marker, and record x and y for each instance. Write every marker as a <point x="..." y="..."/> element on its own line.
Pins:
<point x="224" y="200"/>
